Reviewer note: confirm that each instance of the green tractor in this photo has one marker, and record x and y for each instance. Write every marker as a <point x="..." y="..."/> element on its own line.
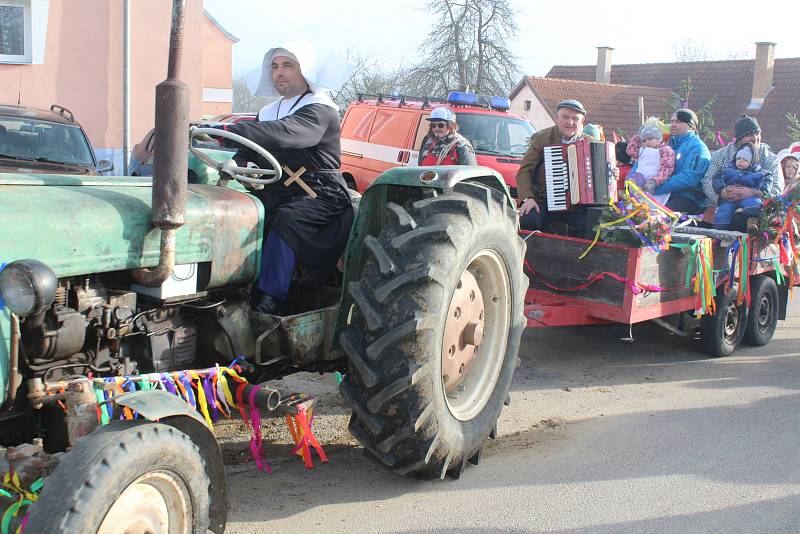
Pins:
<point x="110" y="276"/>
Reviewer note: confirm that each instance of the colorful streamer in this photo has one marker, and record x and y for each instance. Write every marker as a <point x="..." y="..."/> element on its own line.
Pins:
<point x="213" y="392"/>
<point x="638" y="206"/>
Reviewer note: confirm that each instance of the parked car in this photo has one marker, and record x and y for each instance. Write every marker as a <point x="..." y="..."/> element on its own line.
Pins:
<point x="141" y="163"/>
<point x="42" y="141"/>
<point x="384" y="131"/>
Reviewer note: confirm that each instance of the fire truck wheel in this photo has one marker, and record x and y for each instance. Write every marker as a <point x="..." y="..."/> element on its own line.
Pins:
<point x="126" y="477"/>
<point x="722" y="332"/>
<point x="763" y="316"/>
<point x="435" y="330"/>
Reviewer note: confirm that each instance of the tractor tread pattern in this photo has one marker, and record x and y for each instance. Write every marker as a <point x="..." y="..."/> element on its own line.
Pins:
<point x="393" y="366"/>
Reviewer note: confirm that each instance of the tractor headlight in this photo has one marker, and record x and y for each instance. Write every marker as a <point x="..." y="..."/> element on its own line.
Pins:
<point x="27" y="287"/>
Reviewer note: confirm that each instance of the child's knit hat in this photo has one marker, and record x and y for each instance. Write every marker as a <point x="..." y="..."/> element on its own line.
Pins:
<point x="745" y="153"/>
<point x="650" y="131"/>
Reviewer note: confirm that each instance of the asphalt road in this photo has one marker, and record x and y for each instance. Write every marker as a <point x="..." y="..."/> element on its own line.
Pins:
<point x="601" y="436"/>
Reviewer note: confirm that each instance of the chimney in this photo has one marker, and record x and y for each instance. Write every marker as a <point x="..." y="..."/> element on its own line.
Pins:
<point x="762" y="73"/>
<point x="603" y="74"/>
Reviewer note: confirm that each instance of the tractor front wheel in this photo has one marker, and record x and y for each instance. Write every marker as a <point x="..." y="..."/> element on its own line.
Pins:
<point x="127" y="477"/>
<point x="435" y="330"/>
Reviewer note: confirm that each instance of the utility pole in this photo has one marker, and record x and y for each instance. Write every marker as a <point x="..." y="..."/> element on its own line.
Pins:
<point x="126" y="85"/>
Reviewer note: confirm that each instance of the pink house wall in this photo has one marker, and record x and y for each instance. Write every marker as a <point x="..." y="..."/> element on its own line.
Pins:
<point x="217" y="67"/>
<point x="82" y="68"/>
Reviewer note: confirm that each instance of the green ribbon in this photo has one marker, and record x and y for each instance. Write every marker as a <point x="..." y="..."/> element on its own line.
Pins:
<point x="12" y="511"/>
<point x="744" y="267"/>
<point x="697" y="266"/>
<point x="691" y="268"/>
<point x="98" y="393"/>
<point x="37" y="485"/>
<point x="778" y="274"/>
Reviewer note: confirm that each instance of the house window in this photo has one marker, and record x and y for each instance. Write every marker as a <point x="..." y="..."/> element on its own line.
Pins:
<point x="15" y="31"/>
<point x="527" y="105"/>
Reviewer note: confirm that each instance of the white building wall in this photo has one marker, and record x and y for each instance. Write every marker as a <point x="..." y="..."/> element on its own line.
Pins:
<point x="537" y="114"/>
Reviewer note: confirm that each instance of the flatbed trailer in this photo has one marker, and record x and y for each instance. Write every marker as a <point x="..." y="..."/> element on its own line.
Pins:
<point x="624" y="284"/>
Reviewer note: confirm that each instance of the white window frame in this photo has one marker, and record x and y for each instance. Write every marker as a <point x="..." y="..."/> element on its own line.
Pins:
<point x="27" y="45"/>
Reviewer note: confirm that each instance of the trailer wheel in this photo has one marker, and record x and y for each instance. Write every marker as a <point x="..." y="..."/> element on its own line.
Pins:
<point x="763" y="315"/>
<point x="126" y="477"/>
<point x="723" y="331"/>
<point x="435" y="331"/>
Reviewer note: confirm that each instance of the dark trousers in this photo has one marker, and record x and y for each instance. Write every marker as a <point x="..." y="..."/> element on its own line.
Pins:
<point x="575" y="221"/>
<point x="684" y="205"/>
<point x="277" y="266"/>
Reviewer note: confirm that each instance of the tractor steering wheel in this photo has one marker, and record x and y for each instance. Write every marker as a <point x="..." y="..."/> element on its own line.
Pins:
<point x="229" y="167"/>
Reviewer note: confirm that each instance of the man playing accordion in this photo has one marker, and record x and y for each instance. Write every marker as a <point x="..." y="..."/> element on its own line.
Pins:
<point x="533" y="209"/>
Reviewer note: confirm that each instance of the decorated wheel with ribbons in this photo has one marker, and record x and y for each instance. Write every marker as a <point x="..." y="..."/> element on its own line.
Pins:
<point x="435" y="329"/>
<point x="128" y="476"/>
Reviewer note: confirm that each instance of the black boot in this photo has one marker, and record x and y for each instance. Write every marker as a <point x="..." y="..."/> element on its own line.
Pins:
<point x="263" y="303"/>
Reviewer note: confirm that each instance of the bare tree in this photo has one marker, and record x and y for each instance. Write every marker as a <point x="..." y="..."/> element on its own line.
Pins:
<point x="466" y="49"/>
<point x="243" y="99"/>
<point x="742" y="52"/>
<point x="691" y="50"/>
<point x="368" y="77"/>
<point x="694" y="50"/>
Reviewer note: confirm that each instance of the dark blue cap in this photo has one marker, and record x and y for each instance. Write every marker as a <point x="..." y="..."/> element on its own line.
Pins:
<point x="571" y="104"/>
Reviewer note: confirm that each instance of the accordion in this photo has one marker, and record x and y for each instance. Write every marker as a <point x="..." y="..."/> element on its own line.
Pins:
<point x="579" y="173"/>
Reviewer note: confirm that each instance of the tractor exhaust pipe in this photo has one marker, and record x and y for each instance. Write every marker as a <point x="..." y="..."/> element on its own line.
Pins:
<point x="170" y="166"/>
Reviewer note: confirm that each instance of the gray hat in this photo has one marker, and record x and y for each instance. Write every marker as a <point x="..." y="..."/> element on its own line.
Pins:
<point x="571" y="104"/>
<point x="745" y="153"/>
<point x="650" y="131"/>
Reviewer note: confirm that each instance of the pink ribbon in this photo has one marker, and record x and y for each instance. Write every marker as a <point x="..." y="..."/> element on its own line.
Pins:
<point x="256" y="443"/>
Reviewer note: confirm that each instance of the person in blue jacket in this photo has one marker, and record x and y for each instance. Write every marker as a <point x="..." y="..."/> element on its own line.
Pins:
<point x="691" y="162"/>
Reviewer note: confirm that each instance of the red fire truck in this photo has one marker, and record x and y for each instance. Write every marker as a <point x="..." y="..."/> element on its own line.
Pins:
<point x="384" y="131"/>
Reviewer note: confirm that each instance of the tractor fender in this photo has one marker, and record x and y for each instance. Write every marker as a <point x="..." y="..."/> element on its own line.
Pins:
<point x="442" y="177"/>
<point x="157" y="405"/>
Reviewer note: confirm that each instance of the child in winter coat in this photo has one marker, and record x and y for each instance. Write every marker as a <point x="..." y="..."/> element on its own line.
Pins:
<point x="655" y="161"/>
<point x="745" y="171"/>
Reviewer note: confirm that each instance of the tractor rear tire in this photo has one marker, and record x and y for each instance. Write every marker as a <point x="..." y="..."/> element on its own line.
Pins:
<point x="132" y="476"/>
<point x="454" y="257"/>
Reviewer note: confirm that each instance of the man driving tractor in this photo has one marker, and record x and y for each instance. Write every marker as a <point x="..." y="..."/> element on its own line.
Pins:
<point x="301" y="129"/>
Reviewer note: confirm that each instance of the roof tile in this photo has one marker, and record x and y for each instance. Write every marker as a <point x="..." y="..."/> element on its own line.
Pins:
<point x="613" y="106"/>
<point x="729" y="83"/>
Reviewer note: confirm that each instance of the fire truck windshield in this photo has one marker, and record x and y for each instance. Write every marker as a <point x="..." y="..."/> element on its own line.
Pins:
<point x="495" y="135"/>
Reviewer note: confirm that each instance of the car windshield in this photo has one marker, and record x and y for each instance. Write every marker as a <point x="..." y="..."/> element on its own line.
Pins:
<point x="34" y="140"/>
<point x="495" y="134"/>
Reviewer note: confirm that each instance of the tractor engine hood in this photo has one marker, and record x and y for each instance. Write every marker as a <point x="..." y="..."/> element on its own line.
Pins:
<point x="83" y="225"/>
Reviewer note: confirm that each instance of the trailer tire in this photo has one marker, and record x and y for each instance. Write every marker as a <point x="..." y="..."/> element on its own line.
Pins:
<point x="723" y="332"/>
<point x="763" y="315"/>
<point x="135" y="475"/>
<point x="425" y="262"/>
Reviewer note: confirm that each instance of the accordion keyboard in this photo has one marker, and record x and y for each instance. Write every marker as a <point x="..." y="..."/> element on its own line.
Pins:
<point x="558" y="183"/>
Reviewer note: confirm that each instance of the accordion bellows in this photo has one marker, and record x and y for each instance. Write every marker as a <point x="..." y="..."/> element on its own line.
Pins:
<point x="579" y="174"/>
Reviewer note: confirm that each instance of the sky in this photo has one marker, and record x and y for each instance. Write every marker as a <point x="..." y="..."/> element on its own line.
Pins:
<point x="549" y="32"/>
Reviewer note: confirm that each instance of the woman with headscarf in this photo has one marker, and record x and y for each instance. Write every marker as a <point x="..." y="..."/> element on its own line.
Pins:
<point x="444" y="145"/>
<point x="789" y="159"/>
<point x="301" y="129"/>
